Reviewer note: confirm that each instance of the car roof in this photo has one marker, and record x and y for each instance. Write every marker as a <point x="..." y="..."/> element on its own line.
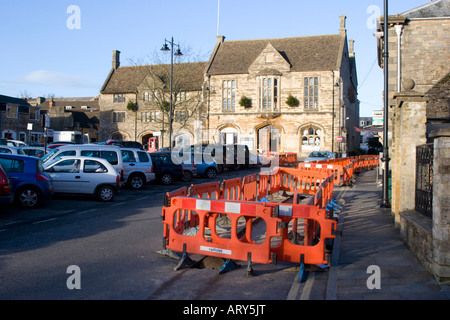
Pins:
<point x="18" y="156"/>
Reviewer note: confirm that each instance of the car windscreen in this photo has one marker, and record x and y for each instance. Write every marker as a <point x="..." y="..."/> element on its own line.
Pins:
<point x="49" y="155"/>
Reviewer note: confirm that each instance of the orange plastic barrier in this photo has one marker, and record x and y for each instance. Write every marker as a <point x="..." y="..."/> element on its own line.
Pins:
<point x="277" y="218"/>
<point x="211" y="190"/>
<point x="250" y="187"/>
<point x="337" y="170"/>
<point x="231" y="189"/>
<point x="231" y="247"/>
<point x="190" y="215"/>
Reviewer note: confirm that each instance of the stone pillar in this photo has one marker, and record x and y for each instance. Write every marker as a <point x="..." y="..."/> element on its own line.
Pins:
<point x="410" y="131"/>
<point x="441" y="205"/>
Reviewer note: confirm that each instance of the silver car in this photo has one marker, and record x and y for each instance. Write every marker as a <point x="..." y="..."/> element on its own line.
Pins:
<point x="137" y="167"/>
<point x="319" y="156"/>
<point x="84" y="175"/>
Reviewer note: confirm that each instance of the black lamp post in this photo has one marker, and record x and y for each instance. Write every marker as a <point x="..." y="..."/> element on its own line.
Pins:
<point x="385" y="159"/>
<point x="177" y="53"/>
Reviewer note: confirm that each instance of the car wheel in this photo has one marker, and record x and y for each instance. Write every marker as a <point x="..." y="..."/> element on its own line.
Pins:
<point x="187" y="176"/>
<point x="28" y="197"/>
<point x="136" y="181"/>
<point x="166" y="179"/>
<point x="211" y="173"/>
<point x="106" y="193"/>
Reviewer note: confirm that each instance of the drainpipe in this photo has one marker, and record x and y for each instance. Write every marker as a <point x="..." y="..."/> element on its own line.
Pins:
<point x="398" y="30"/>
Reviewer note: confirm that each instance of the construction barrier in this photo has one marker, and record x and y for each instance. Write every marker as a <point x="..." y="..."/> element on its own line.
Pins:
<point x="296" y="232"/>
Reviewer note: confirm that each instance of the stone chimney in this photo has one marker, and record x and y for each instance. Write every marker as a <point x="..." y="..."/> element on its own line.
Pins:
<point x="51" y="103"/>
<point x="342" y="28"/>
<point x="351" y="48"/>
<point x="116" y="59"/>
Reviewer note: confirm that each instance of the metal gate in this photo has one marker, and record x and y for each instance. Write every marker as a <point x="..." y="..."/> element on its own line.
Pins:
<point x="424" y="179"/>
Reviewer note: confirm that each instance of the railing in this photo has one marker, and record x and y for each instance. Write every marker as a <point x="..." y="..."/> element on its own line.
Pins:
<point x="424" y="179"/>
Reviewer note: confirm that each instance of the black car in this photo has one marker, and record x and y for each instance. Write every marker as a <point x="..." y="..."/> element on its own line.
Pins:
<point x="166" y="170"/>
<point x="227" y="156"/>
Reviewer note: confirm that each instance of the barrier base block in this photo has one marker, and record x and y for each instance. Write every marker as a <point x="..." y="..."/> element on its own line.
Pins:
<point x="227" y="266"/>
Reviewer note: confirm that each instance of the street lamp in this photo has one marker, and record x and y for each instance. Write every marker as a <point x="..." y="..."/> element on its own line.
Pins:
<point x="165" y="47"/>
<point x="385" y="159"/>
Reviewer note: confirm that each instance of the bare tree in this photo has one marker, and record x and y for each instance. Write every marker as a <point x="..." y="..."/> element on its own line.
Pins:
<point x="153" y="93"/>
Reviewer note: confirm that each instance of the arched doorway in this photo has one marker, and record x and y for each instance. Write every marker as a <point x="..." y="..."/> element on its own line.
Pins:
<point x="269" y="139"/>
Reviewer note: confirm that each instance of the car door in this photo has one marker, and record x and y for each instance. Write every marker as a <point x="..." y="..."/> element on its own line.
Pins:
<point x="129" y="162"/>
<point x="66" y="176"/>
<point x="15" y="169"/>
<point x="94" y="173"/>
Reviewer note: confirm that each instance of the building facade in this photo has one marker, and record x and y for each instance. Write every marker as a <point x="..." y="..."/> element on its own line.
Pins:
<point x="135" y="102"/>
<point x="419" y="129"/>
<point x="19" y="120"/>
<point x="290" y="94"/>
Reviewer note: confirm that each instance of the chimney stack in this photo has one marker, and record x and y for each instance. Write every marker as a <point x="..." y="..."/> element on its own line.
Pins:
<point x="116" y="59"/>
<point x="351" y="49"/>
<point x="342" y="29"/>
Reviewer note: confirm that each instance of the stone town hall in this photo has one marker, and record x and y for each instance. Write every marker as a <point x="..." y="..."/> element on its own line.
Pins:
<point x="293" y="94"/>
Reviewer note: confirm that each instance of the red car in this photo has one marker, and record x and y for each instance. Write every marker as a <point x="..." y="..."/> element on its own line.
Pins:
<point x="6" y="194"/>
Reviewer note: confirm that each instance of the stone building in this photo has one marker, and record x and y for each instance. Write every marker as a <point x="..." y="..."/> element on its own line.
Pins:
<point x="134" y="102"/>
<point x="419" y="123"/>
<point x="72" y="114"/>
<point x="19" y="120"/>
<point x="250" y="82"/>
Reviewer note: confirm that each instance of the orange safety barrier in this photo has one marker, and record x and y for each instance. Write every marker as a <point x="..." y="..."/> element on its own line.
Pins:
<point x="317" y="228"/>
<point x="211" y="190"/>
<point x="190" y="215"/>
<point x="276" y="246"/>
<point x="337" y="170"/>
<point x="231" y="189"/>
<point x="209" y="242"/>
<point x="290" y="179"/>
<point x="250" y="187"/>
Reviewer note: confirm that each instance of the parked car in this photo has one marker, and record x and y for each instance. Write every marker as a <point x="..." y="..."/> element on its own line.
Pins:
<point x="6" y="194"/>
<point x="319" y="156"/>
<point x="204" y="166"/>
<point x="85" y="175"/>
<point x="30" y="184"/>
<point x="137" y="167"/>
<point x="166" y="171"/>
<point x="16" y="143"/>
<point x="111" y="153"/>
<point x="233" y="156"/>
<point x="11" y="150"/>
<point x="38" y="152"/>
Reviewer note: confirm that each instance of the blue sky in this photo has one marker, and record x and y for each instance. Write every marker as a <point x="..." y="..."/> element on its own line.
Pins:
<point x="41" y="55"/>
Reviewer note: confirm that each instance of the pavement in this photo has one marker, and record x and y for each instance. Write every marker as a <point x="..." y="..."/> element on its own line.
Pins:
<point x="369" y="260"/>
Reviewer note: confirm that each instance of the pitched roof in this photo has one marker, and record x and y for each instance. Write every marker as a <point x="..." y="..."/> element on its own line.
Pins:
<point x="13" y="100"/>
<point x="313" y="53"/>
<point x="127" y="79"/>
<point x="432" y="9"/>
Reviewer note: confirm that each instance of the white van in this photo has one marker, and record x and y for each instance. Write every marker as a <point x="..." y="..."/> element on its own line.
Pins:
<point x="112" y="154"/>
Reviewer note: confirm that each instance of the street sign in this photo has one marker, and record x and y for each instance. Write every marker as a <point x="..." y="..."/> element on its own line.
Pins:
<point x="50" y="133"/>
<point x="339" y="139"/>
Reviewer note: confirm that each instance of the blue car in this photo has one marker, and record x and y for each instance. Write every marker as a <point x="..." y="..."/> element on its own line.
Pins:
<point x="205" y="166"/>
<point x="30" y="184"/>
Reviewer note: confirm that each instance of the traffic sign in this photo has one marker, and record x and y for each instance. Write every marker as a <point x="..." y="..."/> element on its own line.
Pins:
<point x="339" y="139"/>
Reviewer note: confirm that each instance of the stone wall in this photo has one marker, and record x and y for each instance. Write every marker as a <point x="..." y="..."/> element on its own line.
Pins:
<point x="441" y="204"/>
